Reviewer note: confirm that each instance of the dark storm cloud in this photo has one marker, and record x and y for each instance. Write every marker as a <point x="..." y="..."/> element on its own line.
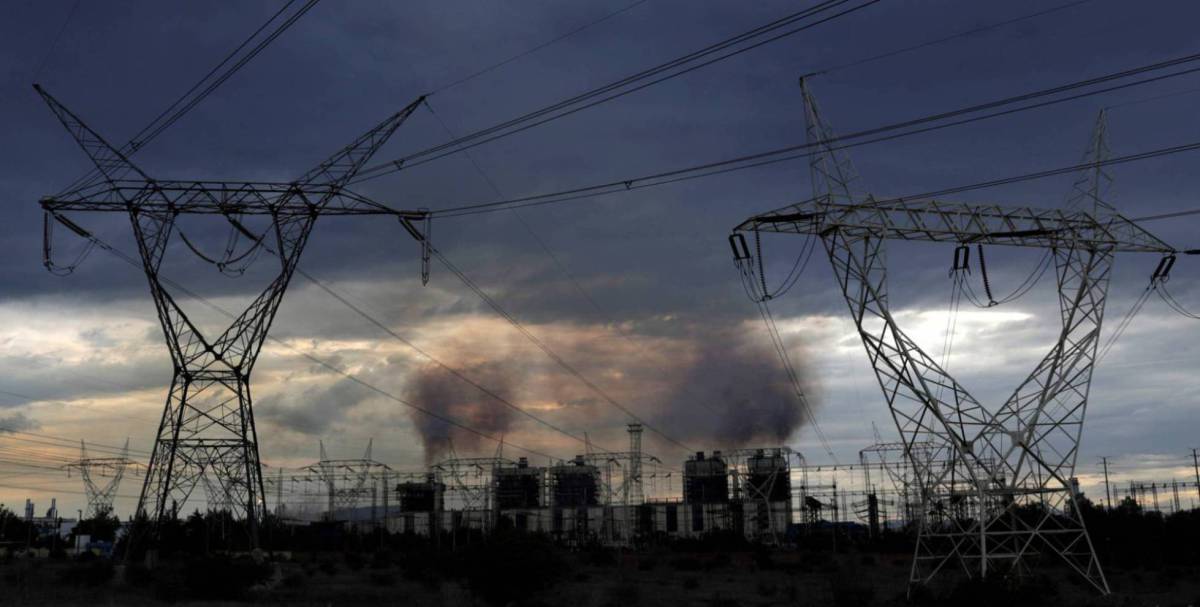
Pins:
<point x="17" y="422"/>
<point x="316" y="409"/>
<point x="654" y="260"/>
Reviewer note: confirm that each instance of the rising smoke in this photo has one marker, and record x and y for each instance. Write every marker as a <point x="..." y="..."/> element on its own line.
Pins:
<point x="435" y="389"/>
<point x="733" y="391"/>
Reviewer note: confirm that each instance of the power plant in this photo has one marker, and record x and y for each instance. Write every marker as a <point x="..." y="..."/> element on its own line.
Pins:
<point x="553" y="440"/>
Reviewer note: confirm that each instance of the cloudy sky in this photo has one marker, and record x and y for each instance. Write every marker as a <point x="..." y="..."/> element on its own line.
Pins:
<point x="636" y="291"/>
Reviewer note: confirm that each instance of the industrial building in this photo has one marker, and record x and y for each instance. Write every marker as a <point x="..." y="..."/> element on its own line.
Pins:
<point x="745" y="491"/>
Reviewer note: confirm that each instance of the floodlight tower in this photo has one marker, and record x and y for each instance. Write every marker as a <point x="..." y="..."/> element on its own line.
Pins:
<point x="1007" y="476"/>
<point x="207" y="425"/>
<point x="100" y="496"/>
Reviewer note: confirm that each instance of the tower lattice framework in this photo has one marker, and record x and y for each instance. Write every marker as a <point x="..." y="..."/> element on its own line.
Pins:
<point x="997" y="484"/>
<point x="100" y="493"/>
<point x="207" y="427"/>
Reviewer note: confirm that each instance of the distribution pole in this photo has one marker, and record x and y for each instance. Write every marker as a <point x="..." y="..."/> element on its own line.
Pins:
<point x="1107" y="491"/>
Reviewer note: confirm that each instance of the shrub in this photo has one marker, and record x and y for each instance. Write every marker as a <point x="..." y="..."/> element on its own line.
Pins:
<point x="849" y="591"/>
<point x="767" y="589"/>
<point x="720" y="600"/>
<point x="205" y="578"/>
<point x="623" y="593"/>
<point x="93" y="572"/>
<point x="512" y="567"/>
<point x="328" y="567"/>
<point x="381" y="560"/>
<point x="354" y="561"/>
<point x="383" y="578"/>
<point x="686" y="563"/>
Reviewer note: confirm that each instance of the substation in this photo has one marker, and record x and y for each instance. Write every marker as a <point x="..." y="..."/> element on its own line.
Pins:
<point x="768" y="495"/>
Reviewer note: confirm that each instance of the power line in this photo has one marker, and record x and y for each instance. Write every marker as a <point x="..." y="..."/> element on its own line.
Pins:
<point x="1189" y="147"/>
<point x="583" y="294"/>
<point x="182" y="105"/>
<point x="70" y="442"/>
<point x="455" y="372"/>
<point x="774" y="156"/>
<point x="537" y="48"/>
<point x="560" y="109"/>
<point x="793" y="377"/>
<point x="54" y="43"/>
<point x="325" y="364"/>
<point x="1154" y="98"/>
<point x="492" y="303"/>
<point x="1166" y="215"/>
<point x="511" y="319"/>
<point x="142" y="137"/>
<point x="936" y="41"/>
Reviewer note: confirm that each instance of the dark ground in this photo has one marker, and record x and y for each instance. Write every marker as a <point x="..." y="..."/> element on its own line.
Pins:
<point x="537" y="574"/>
<point x="1150" y="559"/>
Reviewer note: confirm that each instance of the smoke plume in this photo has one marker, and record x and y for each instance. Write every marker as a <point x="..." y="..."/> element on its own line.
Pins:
<point x="437" y="390"/>
<point x="733" y="391"/>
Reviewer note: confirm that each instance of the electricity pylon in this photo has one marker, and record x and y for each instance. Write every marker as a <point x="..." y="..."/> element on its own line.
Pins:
<point x="207" y="425"/>
<point x="347" y="481"/>
<point x="100" y="495"/>
<point x="1006" y="491"/>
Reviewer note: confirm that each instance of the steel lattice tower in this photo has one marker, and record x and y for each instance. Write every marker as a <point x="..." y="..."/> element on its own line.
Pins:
<point x="100" y="496"/>
<point x="998" y="487"/>
<point x="347" y="481"/>
<point x="207" y="427"/>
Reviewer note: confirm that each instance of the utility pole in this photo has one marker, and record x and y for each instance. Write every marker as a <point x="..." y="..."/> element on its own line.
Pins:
<point x="1107" y="491"/>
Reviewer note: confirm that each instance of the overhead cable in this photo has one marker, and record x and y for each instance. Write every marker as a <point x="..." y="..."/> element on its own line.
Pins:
<point x="730" y="47"/>
<point x="554" y="356"/>
<point x="807" y="150"/>
<point x="210" y="82"/>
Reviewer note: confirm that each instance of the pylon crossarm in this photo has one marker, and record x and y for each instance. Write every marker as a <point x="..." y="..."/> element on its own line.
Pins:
<point x="938" y="221"/>
<point x="221" y="198"/>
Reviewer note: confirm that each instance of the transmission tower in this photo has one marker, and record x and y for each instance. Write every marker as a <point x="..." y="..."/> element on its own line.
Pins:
<point x="100" y="495"/>
<point x="1006" y="488"/>
<point x="347" y="481"/>
<point x="895" y="460"/>
<point x="207" y="425"/>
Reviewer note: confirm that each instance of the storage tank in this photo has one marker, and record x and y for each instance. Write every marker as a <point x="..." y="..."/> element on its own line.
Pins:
<point x="768" y="476"/>
<point x="422" y="496"/>
<point x="706" y="480"/>
<point x="518" y="486"/>
<point x="576" y="484"/>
